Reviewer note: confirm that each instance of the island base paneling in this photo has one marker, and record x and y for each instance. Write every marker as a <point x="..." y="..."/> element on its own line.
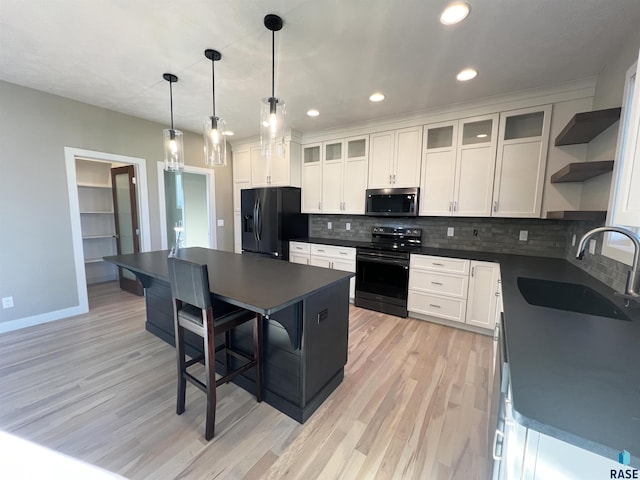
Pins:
<point x="296" y="381"/>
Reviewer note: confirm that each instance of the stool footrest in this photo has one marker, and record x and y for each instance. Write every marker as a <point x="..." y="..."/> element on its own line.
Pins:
<point x="195" y="381"/>
<point x="235" y="373"/>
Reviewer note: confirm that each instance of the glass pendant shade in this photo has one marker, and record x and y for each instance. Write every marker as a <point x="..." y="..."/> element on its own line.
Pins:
<point x="172" y="139"/>
<point x="272" y="111"/>
<point x="215" y="143"/>
<point x="272" y="115"/>
<point x="173" y="150"/>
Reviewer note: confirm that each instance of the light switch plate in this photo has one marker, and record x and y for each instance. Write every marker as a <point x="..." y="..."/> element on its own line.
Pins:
<point x="347" y="226"/>
<point x="7" y="302"/>
<point x="329" y="225"/>
<point x="524" y="235"/>
<point x="450" y="231"/>
<point x="592" y="247"/>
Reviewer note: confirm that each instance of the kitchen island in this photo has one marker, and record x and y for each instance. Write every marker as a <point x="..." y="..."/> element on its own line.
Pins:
<point x="305" y="311"/>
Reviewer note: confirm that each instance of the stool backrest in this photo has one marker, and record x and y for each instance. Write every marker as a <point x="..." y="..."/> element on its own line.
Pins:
<point x="190" y="282"/>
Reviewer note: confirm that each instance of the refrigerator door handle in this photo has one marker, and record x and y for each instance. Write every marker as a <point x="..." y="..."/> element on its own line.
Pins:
<point x="255" y="219"/>
<point x="258" y="219"/>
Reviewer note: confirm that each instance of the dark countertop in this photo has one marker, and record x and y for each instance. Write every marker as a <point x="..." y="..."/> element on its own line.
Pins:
<point x="261" y="284"/>
<point x="575" y="377"/>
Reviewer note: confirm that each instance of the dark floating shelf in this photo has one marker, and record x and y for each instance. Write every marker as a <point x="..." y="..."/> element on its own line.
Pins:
<point x="581" y="171"/>
<point x="596" y="215"/>
<point x="584" y="127"/>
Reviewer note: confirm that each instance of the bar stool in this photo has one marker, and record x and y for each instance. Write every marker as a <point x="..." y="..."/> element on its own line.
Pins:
<point x="193" y="311"/>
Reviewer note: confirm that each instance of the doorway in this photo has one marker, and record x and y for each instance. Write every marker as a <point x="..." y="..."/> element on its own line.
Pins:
<point x="187" y="205"/>
<point x="91" y="246"/>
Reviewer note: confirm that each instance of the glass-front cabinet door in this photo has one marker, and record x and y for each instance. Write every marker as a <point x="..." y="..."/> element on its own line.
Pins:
<point x="355" y="173"/>
<point x="438" y="175"/>
<point x="475" y="166"/>
<point x="311" y="178"/>
<point x="521" y="162"/>
<point x="332" y="171"/>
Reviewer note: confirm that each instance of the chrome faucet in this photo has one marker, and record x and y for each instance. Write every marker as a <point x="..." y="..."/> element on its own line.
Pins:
<point x="631" y="290"/>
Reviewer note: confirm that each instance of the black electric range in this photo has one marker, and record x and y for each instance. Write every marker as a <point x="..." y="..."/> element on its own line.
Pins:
<point x="382" y="269"/>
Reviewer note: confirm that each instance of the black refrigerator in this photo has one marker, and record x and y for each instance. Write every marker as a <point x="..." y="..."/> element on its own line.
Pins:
<point x="270" y="218"/>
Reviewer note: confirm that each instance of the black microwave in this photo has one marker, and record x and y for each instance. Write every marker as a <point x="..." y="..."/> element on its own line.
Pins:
<point x="392" y="202"/>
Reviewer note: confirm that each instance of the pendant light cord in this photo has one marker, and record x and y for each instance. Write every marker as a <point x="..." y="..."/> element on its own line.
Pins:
<point x="213" y="86"/>
<point x="171" y="101"/>
<point x="273" y="63"/>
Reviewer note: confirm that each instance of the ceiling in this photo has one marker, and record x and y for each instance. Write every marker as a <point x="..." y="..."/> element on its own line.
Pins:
<point x="330" y="55"/>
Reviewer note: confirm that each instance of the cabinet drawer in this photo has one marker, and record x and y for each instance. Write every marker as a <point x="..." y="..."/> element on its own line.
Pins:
<point x="439" y="283"/>
<point x="299" y="247"/>
<point x="344" y="253"/>
<point x="437" y="306"/>
<point x="440" y="264"/>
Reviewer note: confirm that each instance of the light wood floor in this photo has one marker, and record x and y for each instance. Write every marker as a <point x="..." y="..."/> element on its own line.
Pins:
<point x="100" y="388"/>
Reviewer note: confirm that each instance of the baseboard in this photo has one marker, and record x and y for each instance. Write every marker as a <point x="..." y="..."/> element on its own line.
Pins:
<point x="21" y="323"/>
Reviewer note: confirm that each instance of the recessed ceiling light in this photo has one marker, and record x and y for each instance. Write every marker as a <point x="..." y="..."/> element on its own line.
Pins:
<point x="313" y="112"/>
<point x="455" y="13"/>
<point x="376" y="97"/>
<point x="228" y="133"/>
<point x="467" y="74"/>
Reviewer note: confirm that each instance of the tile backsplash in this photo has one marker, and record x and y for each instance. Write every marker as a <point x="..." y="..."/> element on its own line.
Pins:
<point x="547" y="238"/>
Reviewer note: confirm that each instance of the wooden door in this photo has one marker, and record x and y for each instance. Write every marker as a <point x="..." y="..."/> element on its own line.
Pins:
<point x="125" y="208"/>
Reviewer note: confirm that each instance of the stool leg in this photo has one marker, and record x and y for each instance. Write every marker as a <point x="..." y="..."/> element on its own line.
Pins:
<point x="182" y="381"/>
<point x="257" y="351"/>
<point x="210" y="374"/>
<point x="227" y="344"/>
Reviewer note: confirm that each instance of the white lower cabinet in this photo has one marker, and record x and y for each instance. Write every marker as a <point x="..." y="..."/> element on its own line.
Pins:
<point x="484" y="291"/>
<point x="299" y="252"/>
<point x="325" y="256"/>
<point x="454" y="289"/>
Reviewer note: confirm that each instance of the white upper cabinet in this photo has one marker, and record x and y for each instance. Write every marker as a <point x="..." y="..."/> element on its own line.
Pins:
<point x="439" y="169"/>
<point x="334" y="176"/>
<point x="241" y="175"/>
<point x="458" y="168"/>
<point x="312" y="178"/>
<point x="394" y="158"/>
<point x="521" y="162"/>
<point x="354" y="178"/>
<point x="475" y="166"/>
<point x="276" y="172"/>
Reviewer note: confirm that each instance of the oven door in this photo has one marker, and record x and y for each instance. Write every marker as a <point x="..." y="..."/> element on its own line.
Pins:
<point x="382" y="282"/>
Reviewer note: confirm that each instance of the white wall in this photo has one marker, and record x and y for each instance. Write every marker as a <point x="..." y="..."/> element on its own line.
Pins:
<point x="36" y="255"/>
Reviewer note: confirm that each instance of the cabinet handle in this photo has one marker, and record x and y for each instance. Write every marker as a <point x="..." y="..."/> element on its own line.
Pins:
<point x="394" y="178"/>
<point x="495" y="444"/>
<point x="455" y="206"/>
<point x="497" y="294"/>
<point x="344" y="253"/>
<point x="320" y="250"/>
<point x="319" y="205"/>
<point x="473" y="270"/>
<point x="436" y="283"/>
<point x="331" y="265"/>
<point x="438" y="264"/>
<point x="434" y="305"/>
<point x="390" y="179"/>
<point x="450" y="206"/>
<point x="496" y="333"/>
<point x="495" y="206"/>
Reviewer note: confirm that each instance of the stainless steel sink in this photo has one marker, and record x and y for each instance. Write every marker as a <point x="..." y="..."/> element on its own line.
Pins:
<point x="572" y="297"/>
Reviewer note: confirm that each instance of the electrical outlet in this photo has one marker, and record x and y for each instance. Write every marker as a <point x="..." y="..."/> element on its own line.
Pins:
<point x="573" y="240"/>
<point x="7" y="302"/>
<point x="450" y="231"/>
<point x="347" y="226"/>
<point x="221" y="222"/>
<point x="592" y="247"/>
<point x="329" y="225"/>
<point x="524" y="235"/>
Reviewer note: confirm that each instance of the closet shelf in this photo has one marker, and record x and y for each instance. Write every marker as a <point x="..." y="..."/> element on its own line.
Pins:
<point x="595" y="215"/>
<point x="586" y="126"/>
<point x="581" y="171"/>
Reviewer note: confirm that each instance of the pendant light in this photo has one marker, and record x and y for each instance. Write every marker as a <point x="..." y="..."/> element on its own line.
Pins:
<point x="173" y="146"/>
<point x="215" y="143"/>
<point x="272" y="111"/>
